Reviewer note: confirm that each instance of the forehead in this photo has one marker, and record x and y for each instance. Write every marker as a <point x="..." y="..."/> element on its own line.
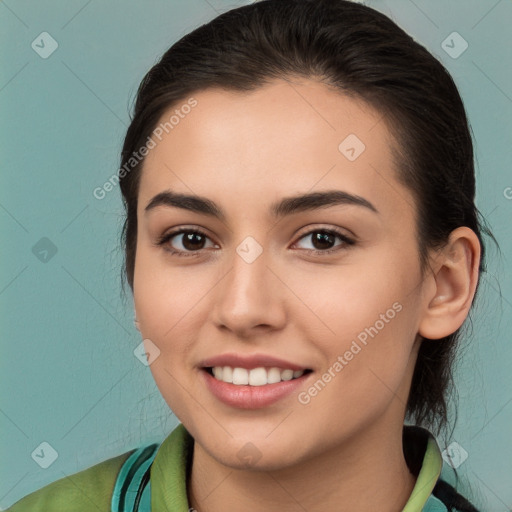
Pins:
<point x="285" y="137"/>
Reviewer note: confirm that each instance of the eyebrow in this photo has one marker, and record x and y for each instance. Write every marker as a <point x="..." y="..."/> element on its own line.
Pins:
<point x="282" y="208"/>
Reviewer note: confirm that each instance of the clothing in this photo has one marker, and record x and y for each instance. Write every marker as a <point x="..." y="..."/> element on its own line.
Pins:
<point x="160" y="473"/>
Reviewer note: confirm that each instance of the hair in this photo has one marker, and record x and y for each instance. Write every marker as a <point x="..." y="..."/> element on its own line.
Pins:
<point x="361" y="53"/>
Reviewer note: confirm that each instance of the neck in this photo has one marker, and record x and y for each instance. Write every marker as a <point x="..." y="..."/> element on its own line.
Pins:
<point x="366" y="472"/>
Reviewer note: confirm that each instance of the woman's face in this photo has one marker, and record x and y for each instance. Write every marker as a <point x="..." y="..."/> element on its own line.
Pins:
<point x="252" y="285"/>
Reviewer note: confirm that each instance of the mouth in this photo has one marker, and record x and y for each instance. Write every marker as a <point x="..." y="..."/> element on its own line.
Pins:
<point x="253" y="388"/>
<point x="260" y="376"/>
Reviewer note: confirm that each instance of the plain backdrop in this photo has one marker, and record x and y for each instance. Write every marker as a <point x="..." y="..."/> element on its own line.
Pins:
<point x="69" y="376"/>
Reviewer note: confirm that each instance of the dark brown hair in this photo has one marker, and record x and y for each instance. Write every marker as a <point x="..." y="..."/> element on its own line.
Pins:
<point x="362" y="53"/>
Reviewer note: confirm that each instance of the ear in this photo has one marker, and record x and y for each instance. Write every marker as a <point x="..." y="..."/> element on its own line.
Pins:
<point x="455" y="274"/>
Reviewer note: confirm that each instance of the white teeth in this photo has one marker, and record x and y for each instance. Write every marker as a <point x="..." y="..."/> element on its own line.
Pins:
<point x="287" y="375"/>
<point x="227" y="374"/>
<point x="273" y="375"/>
<point x="255" y="377"/>
<point x="240" y="376"/>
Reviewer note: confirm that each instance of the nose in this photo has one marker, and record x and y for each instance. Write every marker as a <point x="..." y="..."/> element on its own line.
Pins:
<point x="250" y="298"/>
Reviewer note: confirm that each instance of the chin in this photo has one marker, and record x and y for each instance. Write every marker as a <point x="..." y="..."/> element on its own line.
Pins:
<point x="255" y="454"/>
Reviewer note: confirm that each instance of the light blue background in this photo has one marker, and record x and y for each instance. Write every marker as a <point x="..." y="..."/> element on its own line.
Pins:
<point x="69" y="375"/>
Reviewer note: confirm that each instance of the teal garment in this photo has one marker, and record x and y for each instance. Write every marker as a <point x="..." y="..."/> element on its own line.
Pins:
<point x="155" y="477"/>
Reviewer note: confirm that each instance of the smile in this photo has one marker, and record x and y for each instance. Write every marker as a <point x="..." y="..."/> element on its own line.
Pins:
<point x="254" y="388"/>
<point x="255" y="377"/>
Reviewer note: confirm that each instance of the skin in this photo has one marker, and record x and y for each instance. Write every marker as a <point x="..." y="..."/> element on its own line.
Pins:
<point x="343" y="450"/>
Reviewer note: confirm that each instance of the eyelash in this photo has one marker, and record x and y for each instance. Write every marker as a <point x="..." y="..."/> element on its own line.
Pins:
<point x="331" y="231"/>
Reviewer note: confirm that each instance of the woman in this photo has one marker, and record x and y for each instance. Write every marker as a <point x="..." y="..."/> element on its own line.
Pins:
<point x="303" y="247"/>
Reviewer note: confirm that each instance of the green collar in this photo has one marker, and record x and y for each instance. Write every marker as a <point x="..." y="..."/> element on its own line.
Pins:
<point x="421" y="498"/>
<point x="169" y="472"/>
<point x="172" y="462"/>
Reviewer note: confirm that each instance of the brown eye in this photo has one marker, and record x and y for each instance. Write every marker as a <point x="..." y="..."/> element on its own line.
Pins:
<point x="323" y="240"/>
<point x="183" y="241"/>
<point x="192" y="241"/>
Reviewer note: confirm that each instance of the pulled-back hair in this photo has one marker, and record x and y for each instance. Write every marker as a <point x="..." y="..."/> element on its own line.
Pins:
<point x="363" y="54"/>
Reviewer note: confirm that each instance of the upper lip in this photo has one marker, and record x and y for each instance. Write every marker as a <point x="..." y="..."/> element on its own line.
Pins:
<point x="249" y="362"/>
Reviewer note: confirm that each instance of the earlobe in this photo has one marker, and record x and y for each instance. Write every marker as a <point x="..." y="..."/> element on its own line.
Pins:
<point x="456" y="276"/>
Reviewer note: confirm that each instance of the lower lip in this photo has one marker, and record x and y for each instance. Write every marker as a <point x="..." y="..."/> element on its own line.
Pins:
<point x="252" y="397"/>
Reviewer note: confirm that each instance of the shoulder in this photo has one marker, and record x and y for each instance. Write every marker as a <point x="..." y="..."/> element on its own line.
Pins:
<point x="90" y="489"/>
<point x="424" y="459"/>
<point x="453" y="501"/>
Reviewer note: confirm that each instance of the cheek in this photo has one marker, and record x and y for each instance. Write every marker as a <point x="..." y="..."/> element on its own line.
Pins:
<point x="163" y="296"/>
<point x="167" y="311"/>
<point x="345" y="300"/>
<point x="368" y="313"/>
<point x="367" y="361"/>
